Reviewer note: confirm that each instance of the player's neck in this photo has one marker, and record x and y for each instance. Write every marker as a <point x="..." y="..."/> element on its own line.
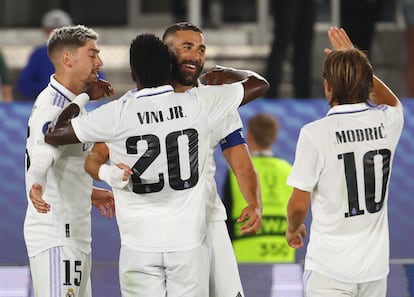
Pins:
<point x="179" y="88"/>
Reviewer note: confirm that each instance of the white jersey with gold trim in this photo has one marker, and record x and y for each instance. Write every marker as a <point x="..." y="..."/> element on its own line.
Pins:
<point x="345" y="161"/>
<point x="165" y="138"/>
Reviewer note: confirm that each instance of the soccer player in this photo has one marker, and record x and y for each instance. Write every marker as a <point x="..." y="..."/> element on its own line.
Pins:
<point x="57" y="226"/>
<point x="186" y="41"/>
<point x="342" y="167"/>
<point x="165" y="138"/>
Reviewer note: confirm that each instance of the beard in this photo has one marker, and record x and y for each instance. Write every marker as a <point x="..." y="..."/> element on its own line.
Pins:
<point x="186" y="78"/>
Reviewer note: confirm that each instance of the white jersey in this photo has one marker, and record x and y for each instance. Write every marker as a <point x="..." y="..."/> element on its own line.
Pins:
<point x="68" y="187"/>
<point x="345" y="161"/>
<point x="215" y="208"/>
<point x="165" y="138"/>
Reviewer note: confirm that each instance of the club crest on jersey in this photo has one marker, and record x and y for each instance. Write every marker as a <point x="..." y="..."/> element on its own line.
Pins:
<point x="70" y="293"/>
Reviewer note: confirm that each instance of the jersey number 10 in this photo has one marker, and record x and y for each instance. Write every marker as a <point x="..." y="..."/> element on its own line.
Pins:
<point x="369" y="180"/>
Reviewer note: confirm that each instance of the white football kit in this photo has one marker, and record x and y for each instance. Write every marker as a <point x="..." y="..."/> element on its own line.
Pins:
<point x="67" y="189"/>
<point x="224" y="272"/>
<point x="165" y="138"/>
<point x="345" y="161"/>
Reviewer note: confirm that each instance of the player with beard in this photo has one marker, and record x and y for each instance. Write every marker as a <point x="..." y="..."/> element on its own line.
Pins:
<point x="161" y="211"/>
<point x="186" y="41"/>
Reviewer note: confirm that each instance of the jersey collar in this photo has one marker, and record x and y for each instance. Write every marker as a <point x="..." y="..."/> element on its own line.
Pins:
<point x="61" y="89"/>
<point x="348" y="108"/>
<point x="148" y="92"/>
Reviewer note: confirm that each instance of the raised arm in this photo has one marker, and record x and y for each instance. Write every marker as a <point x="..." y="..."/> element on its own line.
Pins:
<point x="382" y="94"/>
<point x="255" y="86"/>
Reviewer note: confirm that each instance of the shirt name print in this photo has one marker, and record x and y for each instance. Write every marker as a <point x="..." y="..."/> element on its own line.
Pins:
<point x="151" y="117"/>
<point x="359" y="135"/>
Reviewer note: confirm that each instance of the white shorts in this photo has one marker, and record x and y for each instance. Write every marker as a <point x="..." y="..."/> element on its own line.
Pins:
<point x="59" y="271"/>
<point x="318" y="285"/>
<point x="176" y="274"/>
<point x="224" y="272"/>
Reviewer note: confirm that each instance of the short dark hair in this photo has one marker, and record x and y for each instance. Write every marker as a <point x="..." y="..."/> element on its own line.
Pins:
<point x="150" y="60"/>
<point x="181" y="26"/>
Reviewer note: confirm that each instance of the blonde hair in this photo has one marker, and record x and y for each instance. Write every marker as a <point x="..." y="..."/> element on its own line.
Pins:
<point x="264" y="128"/>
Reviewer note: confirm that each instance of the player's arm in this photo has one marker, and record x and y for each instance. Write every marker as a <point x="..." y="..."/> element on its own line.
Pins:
<point x="255" y="86"/>
<point x="62" y="132"/>
<point x="95" y="165"/>
<point x="41" y="157"/>
<point x="103" y="200"/>
<point x="297" y="210"/>
<point x="36" y="179"/>
<point x="238" y="158"/>
<point x="381" y="94"/>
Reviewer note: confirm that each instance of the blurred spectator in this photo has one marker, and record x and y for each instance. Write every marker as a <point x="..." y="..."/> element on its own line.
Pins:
<point x="6" y="94"/>
<point x="36" y="74"/>
<point x="358" y="18"/>
<point x="293" y="22"/>
<point x="408" y="11"/>
<point x="269" y="244"/>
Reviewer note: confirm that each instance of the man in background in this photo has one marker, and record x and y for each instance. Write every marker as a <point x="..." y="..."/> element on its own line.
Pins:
<point x="269" y="244"/>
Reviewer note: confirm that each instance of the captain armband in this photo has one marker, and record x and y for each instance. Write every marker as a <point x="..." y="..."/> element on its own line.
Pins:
<point x="234" y="138"/>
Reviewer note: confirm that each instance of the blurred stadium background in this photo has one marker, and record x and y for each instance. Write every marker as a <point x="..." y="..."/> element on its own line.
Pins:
<point x="238" y="37"/>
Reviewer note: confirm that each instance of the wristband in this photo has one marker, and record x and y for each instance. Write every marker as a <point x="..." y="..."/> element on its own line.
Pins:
<point x="81" y="100"/>
<point x="112" y="175"/>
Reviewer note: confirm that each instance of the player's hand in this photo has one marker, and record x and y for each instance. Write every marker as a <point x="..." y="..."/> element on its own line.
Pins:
<point x="35" y="195"/>
<point x="219" y="75"/>
<point x="339" y="39"/>
<point x="127" y="171"/>
<point x="117" y="176"/>
<point x="295" y="239"/>
<point x="104" y="201"/>
<point x="98" y="89"/>
<point x="251" y="220"/>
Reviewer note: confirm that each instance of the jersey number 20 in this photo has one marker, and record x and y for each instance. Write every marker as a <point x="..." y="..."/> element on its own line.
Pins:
<point x="173" y="161"/>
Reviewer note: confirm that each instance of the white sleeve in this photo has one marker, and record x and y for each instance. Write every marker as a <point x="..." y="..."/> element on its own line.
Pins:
<point x="220" y="101"/>
<point x="230" y="123"/>
<point x="99" y="125"/>
<point x="42" y="155"/>
<point x="307" y="165"/>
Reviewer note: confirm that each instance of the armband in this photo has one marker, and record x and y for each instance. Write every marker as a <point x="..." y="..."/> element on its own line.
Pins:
<point x="234" y="138"/>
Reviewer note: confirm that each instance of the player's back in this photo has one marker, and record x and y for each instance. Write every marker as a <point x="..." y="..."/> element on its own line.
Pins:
<point x="165" y="138"/>
<point x="356" y="145"/>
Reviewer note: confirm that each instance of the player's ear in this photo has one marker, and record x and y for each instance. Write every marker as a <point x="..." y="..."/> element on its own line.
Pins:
<point x="66" y="58"/>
